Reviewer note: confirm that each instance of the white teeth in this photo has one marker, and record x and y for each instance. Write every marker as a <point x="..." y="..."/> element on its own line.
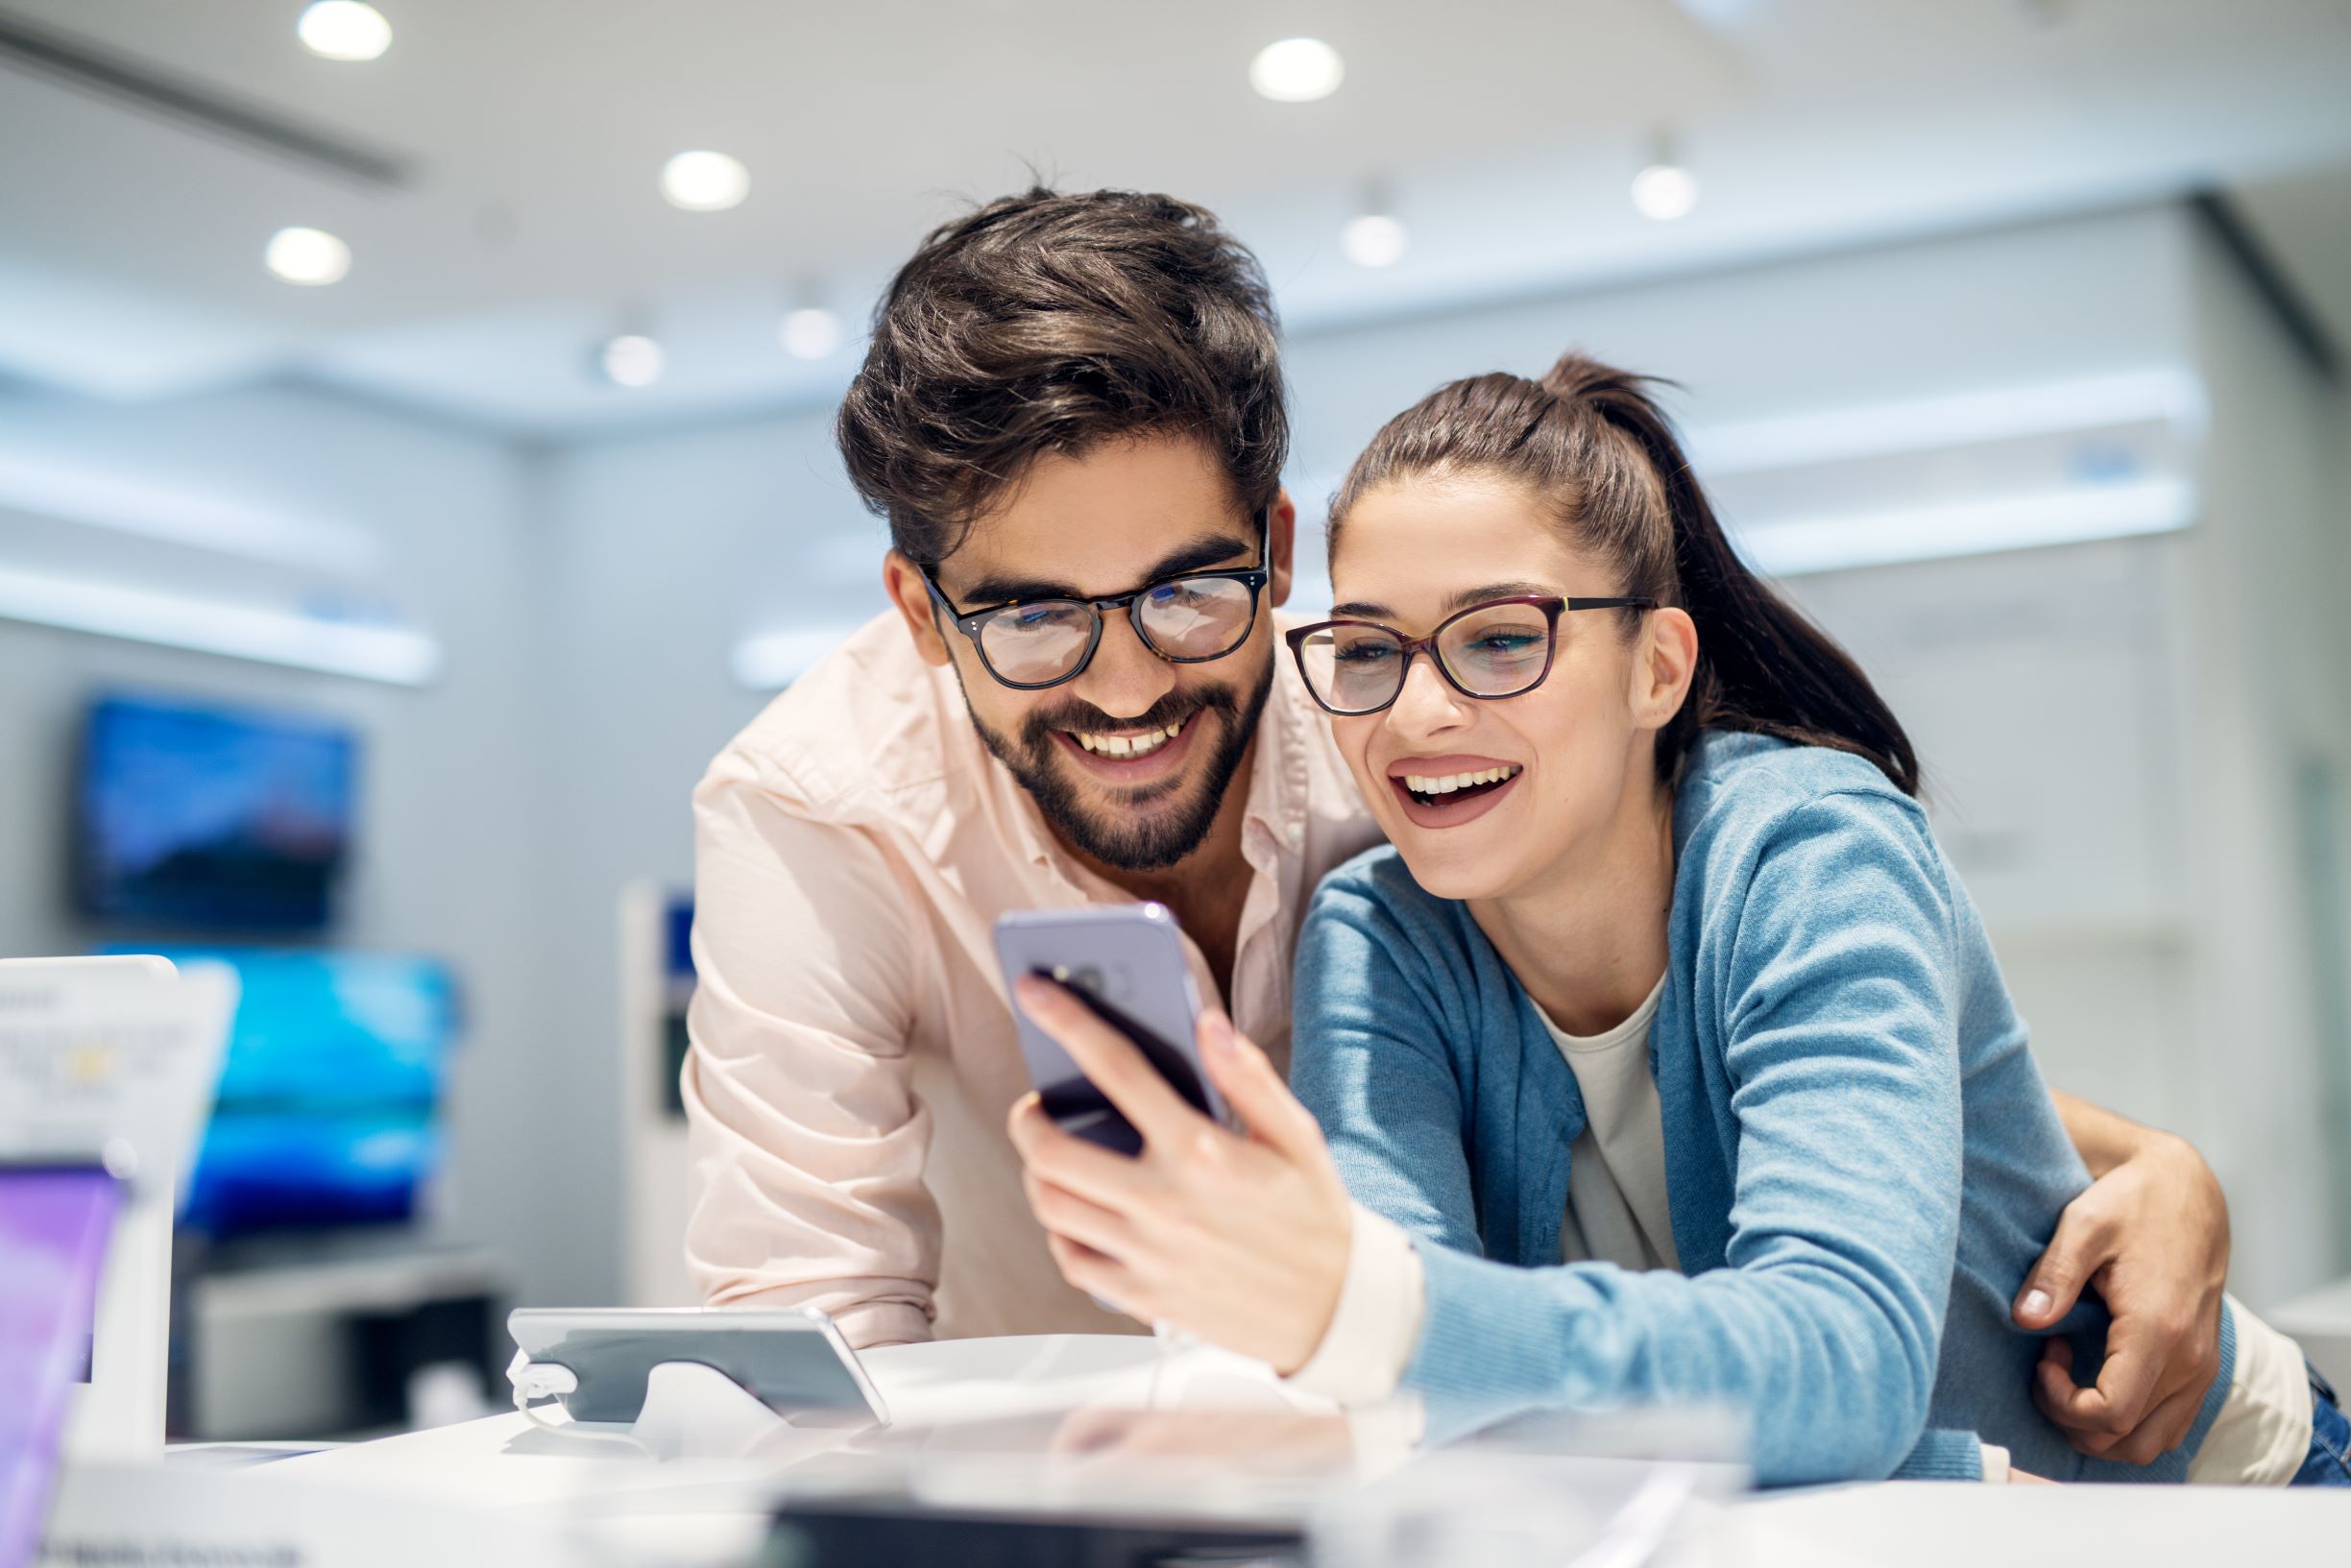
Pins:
<point x="1127" y="745"/>
<point x="1424" y="783"/>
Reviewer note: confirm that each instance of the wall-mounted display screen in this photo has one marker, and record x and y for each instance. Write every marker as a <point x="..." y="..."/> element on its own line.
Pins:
<point x="212" y="818"/>
<point x="329" y="1111"/>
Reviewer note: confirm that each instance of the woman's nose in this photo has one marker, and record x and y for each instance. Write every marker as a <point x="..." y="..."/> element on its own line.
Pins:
<point x="1428" y="705"/>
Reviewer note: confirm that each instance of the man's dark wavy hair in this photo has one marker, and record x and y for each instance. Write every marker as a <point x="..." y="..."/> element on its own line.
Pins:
<point x="1047" y="322"/>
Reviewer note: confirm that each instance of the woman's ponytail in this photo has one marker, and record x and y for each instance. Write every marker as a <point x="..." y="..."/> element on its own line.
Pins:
<point x="1590" y="440"/>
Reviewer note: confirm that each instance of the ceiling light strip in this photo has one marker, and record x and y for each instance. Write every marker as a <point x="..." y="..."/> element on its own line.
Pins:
<point x="393" y="655"/>
<point x="2078" y="515"/>
<point x="87" y="499"/>
<point x="2166" y="394"/>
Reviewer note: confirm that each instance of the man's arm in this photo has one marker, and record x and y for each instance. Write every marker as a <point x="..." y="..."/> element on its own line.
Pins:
<point x="807" y="1142"/>
<point x="2151" y="1234"/>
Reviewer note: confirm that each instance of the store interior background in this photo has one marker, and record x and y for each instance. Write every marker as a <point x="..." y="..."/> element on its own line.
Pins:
<point x="2012" y="334"/>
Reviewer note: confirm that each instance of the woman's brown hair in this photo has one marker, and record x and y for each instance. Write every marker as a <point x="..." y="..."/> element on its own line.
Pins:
<point x="1591" y="443"/>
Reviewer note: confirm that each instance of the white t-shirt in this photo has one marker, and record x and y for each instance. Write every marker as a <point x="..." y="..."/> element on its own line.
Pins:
<point x="1617" y="1210"/>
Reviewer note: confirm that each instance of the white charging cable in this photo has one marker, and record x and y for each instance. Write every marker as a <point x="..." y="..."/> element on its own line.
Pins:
<point x="534" y="1381"/>
<point x="539" y="1382"/>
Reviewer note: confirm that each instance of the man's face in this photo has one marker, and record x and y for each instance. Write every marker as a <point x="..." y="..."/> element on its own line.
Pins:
<point x="1094" y="752"/>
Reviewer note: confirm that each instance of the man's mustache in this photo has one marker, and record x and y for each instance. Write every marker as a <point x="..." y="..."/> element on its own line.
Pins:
<point x="1174" y="708"/>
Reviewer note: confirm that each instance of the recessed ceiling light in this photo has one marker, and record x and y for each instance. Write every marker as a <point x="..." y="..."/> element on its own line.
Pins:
<point x="810" y="333"/>
<point x="705" y="181"/>
<point x="631" y="360"/>
<point x="344" y="29"/>
<point x="310" y="256"/>
<point x="1297" y="70"/>
<point x="1374" y="239"/>
<point x="1664" y="192"/>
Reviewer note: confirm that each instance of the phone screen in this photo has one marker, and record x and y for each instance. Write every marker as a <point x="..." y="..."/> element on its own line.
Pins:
<point x="54" y="1223"/>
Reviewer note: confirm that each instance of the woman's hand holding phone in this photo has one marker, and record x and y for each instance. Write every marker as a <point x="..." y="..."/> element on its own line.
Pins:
<point x="1240" y="1238"/>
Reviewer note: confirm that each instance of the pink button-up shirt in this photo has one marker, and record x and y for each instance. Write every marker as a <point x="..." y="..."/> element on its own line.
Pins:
<point x="853" y="1052"/>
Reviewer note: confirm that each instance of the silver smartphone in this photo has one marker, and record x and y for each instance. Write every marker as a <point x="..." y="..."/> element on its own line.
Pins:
<point x="791" y="1360"/>
<point x="1126" y="962"/>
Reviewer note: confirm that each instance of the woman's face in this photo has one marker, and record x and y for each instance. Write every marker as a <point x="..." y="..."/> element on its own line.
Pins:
<point x="1567" y="760"/>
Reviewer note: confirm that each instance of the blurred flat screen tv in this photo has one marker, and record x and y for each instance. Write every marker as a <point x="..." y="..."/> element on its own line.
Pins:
<point x="212" y="818"/>
<point x="331" y="1095"/>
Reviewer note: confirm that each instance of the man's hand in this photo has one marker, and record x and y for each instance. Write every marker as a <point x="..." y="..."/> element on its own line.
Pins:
<point x="2151" y="1236"/>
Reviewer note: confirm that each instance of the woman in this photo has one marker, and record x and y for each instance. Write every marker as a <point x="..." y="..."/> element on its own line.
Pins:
<point x="1664" y="1057"/>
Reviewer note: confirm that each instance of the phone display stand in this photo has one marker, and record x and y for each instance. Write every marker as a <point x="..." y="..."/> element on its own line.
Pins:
<point x="696" y="1411"/>
<point x="691" y="1410"/>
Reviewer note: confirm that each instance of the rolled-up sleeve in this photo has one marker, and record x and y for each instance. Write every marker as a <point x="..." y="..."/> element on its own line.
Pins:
<point x="806" y="1138"/>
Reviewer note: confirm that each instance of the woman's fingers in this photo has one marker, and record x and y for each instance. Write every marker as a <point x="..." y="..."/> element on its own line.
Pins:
<point x="1063" y="1213"/>
<point x="1087" y="1170"/>
<point x="1100" y="1277"/>
<point x="1246" y="1078"/>
<point x="1108" y="1059"/>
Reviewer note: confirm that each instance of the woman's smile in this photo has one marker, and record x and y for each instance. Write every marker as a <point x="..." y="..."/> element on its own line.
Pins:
<point x="1450" y="790"/>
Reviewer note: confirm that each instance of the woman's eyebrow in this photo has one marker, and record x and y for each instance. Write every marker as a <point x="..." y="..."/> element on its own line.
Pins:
<point x="1468" y="596"/>
<point x="1364" y="610"/>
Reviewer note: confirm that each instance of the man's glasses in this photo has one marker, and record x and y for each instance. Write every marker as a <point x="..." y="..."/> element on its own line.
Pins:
<point x="1500" y="648"/>
<point x="1029" y="644"/>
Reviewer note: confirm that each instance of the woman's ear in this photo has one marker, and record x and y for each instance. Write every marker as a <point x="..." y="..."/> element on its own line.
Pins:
<point x="1667" y="664"/>
<point x="1281" y="547"/>
<point x="903" y="581"/>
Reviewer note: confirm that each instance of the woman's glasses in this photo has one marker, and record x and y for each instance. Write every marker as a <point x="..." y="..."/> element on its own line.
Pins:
<point x="1497" y="650"/>
<point x="1032" y="643"/>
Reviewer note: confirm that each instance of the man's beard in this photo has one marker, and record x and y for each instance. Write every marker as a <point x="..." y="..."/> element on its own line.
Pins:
<point x="1125" y="838"/>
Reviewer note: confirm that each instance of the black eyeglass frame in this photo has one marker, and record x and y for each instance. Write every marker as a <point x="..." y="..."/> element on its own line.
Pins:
<point x="1254" y="578"/>
<point x="1551" y="605"/>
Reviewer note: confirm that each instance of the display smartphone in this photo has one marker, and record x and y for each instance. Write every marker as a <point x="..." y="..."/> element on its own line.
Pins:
<point x="791" y="1360"/>
<point x="1126" y="962"/>
<point x="55" y="1223"/>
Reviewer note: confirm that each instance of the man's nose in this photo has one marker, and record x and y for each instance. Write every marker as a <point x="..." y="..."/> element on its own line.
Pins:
<point x="1125" y="678"/>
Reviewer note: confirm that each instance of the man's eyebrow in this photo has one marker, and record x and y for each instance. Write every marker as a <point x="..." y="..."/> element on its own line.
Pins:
<point x="1364" y="610"/>
<point x="1194" y="555"/>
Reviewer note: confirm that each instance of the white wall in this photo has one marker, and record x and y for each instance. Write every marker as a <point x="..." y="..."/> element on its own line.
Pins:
<point x="670" y="547"/>
<point x="2266" y="662"/>
<point x="452" y="824"/>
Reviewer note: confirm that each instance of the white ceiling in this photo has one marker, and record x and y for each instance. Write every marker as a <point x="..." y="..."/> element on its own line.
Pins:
<point x="130" y="246"/>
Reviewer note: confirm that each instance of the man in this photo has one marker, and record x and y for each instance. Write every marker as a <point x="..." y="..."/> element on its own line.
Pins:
<point x="1071" y="413"/>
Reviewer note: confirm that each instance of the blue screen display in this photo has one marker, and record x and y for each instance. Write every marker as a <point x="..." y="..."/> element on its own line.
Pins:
<point x="330" y="1095"/>
<point x="212" y="818"/>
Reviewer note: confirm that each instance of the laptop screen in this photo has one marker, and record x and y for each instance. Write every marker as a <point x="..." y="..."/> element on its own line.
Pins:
<point x="54" y="1225"/>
